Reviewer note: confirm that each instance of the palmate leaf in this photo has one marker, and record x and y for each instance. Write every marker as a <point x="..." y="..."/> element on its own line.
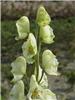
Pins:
<point x="43" y="17"/>
<point x="36" y="92"/>
<point x="49" y="62"/>
<point x="30" y="48"/>
<point x="46" y="34"/>
<point x="23" y="27"/>
<point x="17" y="92"/>
<point x="18" y="68"/>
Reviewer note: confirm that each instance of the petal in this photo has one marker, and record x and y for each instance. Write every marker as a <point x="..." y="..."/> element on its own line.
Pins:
<point x="49" y="62"/>
<point x="18" y="68"/>
<point x="44" y="81"/>
<point x="17" y="92"/>
<point x="33" y="83"/>
<point x="23" y="27"/>
<point x="46" y="94"/>
<point x="30" y="48"/>
<point x="43" y="17"/>
<point x="46" y="34"/>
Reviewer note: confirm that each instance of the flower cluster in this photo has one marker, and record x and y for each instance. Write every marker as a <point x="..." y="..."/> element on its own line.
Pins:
<point x="38" y="88"/>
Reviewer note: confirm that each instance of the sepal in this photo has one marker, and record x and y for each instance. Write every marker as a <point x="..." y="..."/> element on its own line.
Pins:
<point x="17" y="92"/>
<point x="46" y="34"/>
<point x="43" y="17"/>
<point x="30" y="49"/>
<point x="36" y="92"/>
<point x="49" y="63"/>
<point x="23" y="27"/>
<point x="18" y="68"/>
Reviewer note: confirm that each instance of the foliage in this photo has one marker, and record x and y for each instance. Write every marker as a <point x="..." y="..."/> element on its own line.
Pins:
<point x="38" y="87"/>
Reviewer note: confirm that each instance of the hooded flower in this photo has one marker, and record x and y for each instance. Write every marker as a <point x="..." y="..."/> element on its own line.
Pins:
<point x="17" y="92"/>
<point x="23" y="27"/>
<point x="36" y="92"/>
<point x="43" y="17"/>
<point x="46" y="34"/>
<point x="30" y="48"/>
<point x="18" y="68"/>
<point x="49" y="62"/>
<point x="44" y="81"/>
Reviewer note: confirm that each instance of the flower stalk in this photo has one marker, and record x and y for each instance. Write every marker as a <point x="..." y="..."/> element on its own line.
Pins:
<point x="35" y="83"/>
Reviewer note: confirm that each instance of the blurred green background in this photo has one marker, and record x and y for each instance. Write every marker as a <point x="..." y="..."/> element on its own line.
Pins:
<point x="63" y="25"/>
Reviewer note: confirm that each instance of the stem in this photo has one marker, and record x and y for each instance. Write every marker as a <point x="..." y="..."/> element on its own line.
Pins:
<point x="37" y="62"/>
<point x="38" y="53"/>
<point x="38" y="56"/>
<point x="37" y="66"/>
<point x="41" y="76"/>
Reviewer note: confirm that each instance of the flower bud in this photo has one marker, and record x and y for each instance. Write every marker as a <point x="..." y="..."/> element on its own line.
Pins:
<point x="43" y="17"/>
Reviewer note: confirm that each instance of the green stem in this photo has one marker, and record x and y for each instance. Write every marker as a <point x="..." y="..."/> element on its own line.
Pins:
<point x="41" y="76"/>
<point x="38" y="56"/>
<point x="38" y="53"/>
<point x="37" y="66"/>
<point x="37" y="62"/>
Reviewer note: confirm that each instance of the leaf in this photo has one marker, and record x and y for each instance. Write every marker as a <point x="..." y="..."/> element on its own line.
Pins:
<point x="30" y="48"/>
<point x="17" y="92"/>
<point x="43" y="17"/>
<point x="36" y="92"/>
<point x="23" y="27"/>
<point x="49" y="62"/>
<point x="18" y="68"/>
<point x="46" y="34"/>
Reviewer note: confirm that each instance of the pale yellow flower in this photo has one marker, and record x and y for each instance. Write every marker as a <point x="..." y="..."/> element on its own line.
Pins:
<point x="36" y="92"/>
<point x="30" y="48"/>
<point x="18" y="68"/>
<point x="23" y="27"/>
<point x="49" y="62"/>
<point x="46" y="34"/>
<point x="17" y="92"/>
<point x="43" y="17"/>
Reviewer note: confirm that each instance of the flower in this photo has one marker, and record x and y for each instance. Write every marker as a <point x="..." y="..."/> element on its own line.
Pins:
<point x="46" y="34"/>
<point x="18" y="68"/>
<point x="43" y="17"/>
<point x="17" y="92"/>
<point x="36" y="92"/>
<point x="30" y="48"/>
<point x="23" y="27"/>
<point x="49" y="62"/>
<point x="44" y="80"/>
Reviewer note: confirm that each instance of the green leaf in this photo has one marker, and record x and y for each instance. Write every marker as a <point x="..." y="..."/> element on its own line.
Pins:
<point x="36" y="92"/>
<point x="23" y="27"/>
<point x="49" y="63"/>
<point x="30" y="48"/>
<point x="17" y="92"/>
<point x="43" y="17"/>
<point x="18" y="68"/>
<point x="46" y="34"/>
